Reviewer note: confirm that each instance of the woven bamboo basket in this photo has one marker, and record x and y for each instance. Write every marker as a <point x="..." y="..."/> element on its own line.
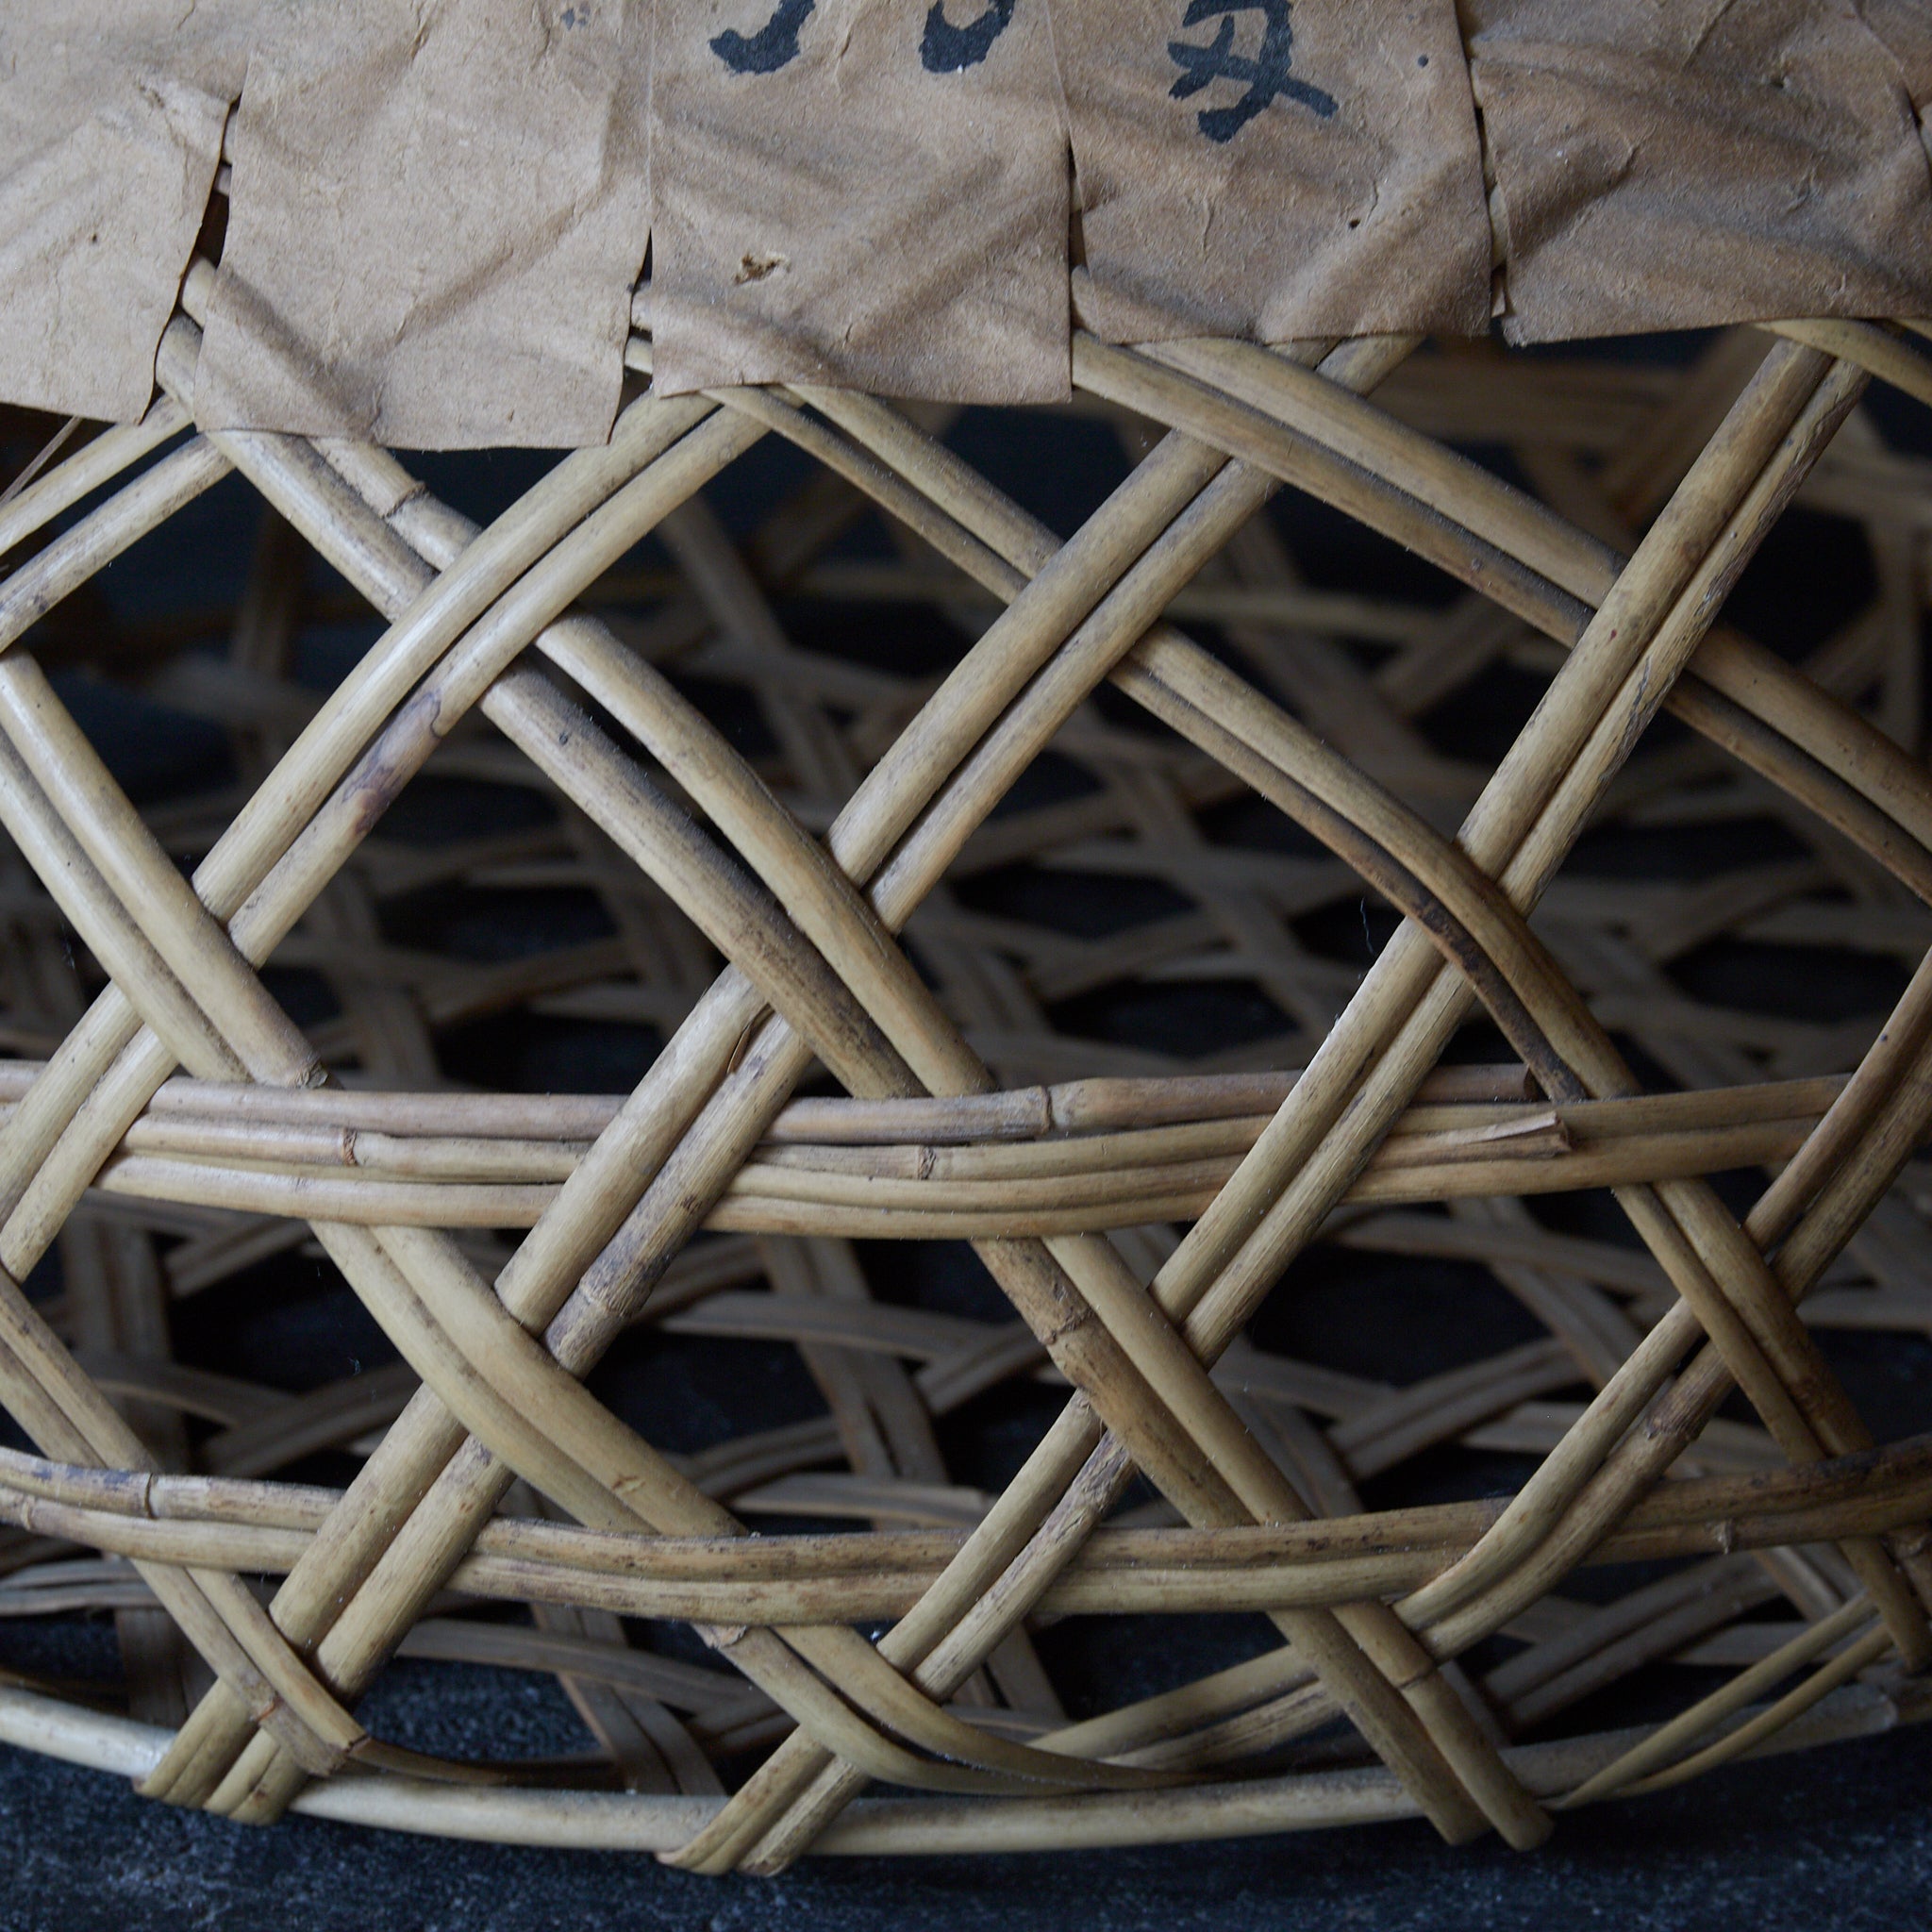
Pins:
<point x="818" y="1632"/>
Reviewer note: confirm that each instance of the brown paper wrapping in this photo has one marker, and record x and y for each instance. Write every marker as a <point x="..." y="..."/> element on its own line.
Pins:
<point x="1698" y="162"/>
<point x="1905" y="27"/>
<point x="439" y="210"/>
<point x="111" y="130"/>
<point x="859" y="192"/>
<point x="437" y="218"/>
<point x="1272" y="170"/>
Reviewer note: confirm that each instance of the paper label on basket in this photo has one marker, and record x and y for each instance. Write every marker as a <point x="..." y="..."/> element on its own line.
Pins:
<point x="439" y="211"/>
<point x="111" y="132"/>
<point x="437" y="218"/>
<point x="1677" y="166"/>
<point x="860" y="192"/>
<point x="1263" y="168"/>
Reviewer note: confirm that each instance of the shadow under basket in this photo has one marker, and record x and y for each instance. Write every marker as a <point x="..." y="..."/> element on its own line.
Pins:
<point x="1191" y="1114"/>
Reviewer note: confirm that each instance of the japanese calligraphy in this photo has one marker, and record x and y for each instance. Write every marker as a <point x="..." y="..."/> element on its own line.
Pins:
<point x="1266" y="73"/>
<point x="775" y="44"/>
<point x="944" y="48"/>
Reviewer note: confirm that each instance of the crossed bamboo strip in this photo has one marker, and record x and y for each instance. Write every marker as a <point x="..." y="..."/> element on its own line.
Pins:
<point x="848" y="1042"/>
<point x="982" y="1749"/>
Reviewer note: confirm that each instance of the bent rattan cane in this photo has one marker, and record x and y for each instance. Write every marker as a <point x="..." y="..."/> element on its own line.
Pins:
<point x="802" y="917"/>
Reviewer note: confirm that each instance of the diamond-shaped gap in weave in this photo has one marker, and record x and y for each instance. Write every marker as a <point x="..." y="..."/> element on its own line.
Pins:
<point x="811" y="948"/>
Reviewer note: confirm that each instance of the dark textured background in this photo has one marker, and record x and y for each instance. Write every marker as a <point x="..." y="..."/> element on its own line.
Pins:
<point x="1837" y="1838"/>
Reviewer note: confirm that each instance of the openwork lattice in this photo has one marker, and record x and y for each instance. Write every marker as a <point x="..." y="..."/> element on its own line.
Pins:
<point x="890" y="1051"/>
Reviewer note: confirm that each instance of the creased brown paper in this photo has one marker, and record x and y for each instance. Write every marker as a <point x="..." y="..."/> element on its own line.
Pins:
<point x="110" y="131"/>
<point x="1905" y="27"/>
<point x="437" y="218"/>
<point x="861" y="192"/>
<point x="1671" y="166"/>
<point x="1266" y="170"/>
<point x="439" y="209"/>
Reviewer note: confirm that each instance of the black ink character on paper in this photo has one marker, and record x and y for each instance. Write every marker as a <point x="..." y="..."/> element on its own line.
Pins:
<point x="775" y="44"/>
<point x="1266" y="73"/>
<point x="944" y="48"/>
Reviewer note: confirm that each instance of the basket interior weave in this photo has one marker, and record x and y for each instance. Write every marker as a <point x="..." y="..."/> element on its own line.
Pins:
<point x="1013" y="1062"/>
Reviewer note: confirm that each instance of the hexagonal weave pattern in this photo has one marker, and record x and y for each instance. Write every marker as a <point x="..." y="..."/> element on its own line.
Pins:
<point x="793" y="906"/>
